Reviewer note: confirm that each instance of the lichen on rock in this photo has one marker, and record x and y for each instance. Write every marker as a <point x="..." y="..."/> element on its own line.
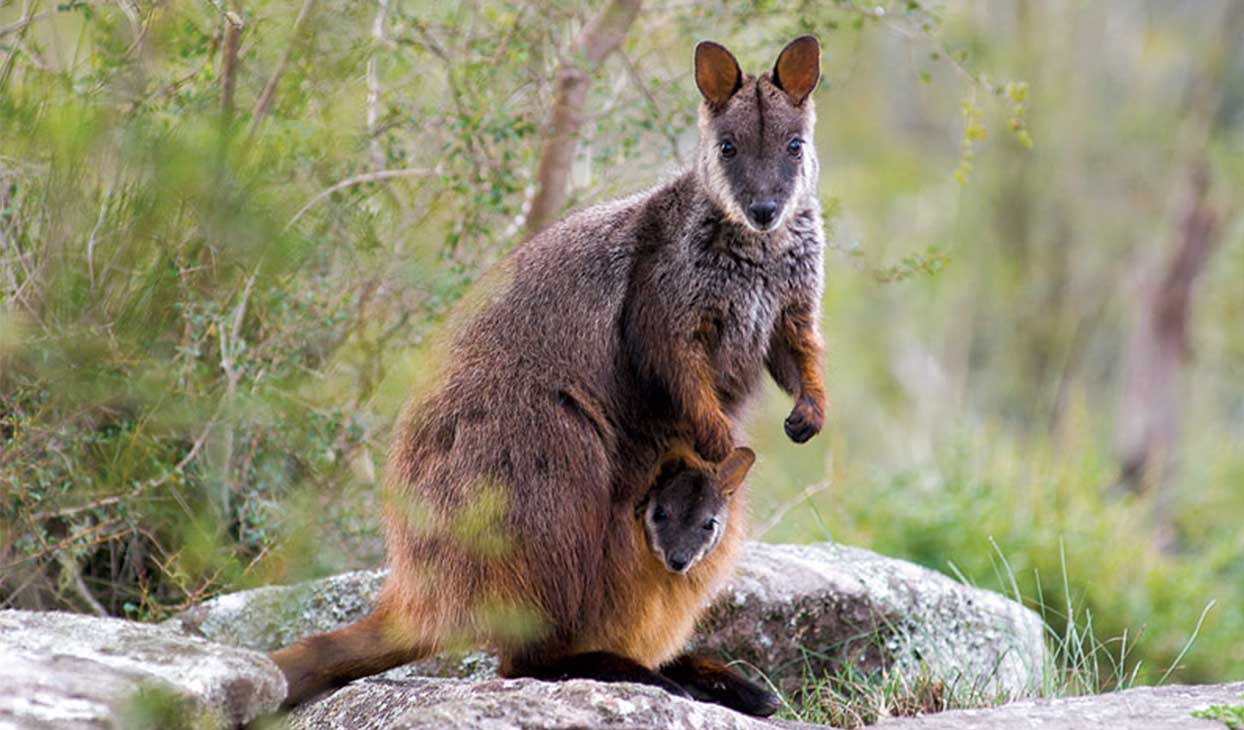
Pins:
<point x="63" y="670"/>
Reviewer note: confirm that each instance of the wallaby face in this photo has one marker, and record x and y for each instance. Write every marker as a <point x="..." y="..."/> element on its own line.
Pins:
<point x="756" y="153"/>
<point x="686" y="510"/>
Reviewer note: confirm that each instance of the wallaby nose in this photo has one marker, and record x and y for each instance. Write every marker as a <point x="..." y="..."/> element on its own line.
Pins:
<point x="762" y="213"/>
<point x="677" y="563"/>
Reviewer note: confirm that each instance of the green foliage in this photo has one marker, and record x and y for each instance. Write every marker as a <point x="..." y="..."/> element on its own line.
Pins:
<point x="1230" y="715"/>
<point x="1035" y="522"/>
<point x="157" y="707"/>
<point x="206" y="331"/>
<point x="213" y="306"/>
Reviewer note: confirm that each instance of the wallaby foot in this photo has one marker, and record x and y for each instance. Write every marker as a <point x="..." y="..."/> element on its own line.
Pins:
<point x="602" y="666"/>
<point x="709" y="680"/>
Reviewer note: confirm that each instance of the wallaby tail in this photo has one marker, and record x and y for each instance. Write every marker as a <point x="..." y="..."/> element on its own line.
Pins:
<point x="371" y="645"/>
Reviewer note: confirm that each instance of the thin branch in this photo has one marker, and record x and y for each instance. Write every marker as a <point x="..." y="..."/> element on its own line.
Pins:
<point x="70" y="566"/>
<point x="774" y="519"/>
<point x="149" y="484"/>
<point x="269" y="90"/>
<point x="357" y="180"/>
<point x="670" y="134"/>
<point x="90" y="243"/>
<point x="601" y="37"/>
<point x="229" y="341"/>
<point x="373" y="85"/>
<point x="229" y="62"/>
<point x="28" y="17"/>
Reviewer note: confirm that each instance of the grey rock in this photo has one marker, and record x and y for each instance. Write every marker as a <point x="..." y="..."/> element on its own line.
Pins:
<point x="792" y="609"/>
<point x="1147" y="708"/>
<point x="789" y="609"/>
<point x="515" y="704"/>
<point x="268" y="618"/>
<point x="62" y="670"/>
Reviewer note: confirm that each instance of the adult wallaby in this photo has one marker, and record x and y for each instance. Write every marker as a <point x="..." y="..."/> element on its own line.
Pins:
<point x="609" y="330"/>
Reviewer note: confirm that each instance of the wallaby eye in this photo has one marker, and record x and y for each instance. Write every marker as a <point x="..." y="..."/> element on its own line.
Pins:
<point x="710" y="525"/>
<point x="727" y="149"/>
<point x="795" y="148"/>
<point x="659" y="515"/>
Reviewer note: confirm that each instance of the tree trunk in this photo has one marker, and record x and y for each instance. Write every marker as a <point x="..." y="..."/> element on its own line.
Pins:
<point x="1159" y="348"/>
<point x="602" y="35"/>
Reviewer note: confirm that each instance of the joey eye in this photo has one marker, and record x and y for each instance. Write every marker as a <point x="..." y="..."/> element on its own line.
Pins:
<point x="795" y="148"/>
<point x="710" y="525"/>
<point x="659" y="515"/>
<point x="727" y="148"/>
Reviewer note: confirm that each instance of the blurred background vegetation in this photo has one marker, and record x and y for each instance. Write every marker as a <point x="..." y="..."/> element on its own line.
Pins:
<point x="231" y="229"/>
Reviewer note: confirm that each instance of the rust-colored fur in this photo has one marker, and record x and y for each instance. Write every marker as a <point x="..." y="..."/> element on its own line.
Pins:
<point x="660" y="608"/>
<point x="508" y="487"/>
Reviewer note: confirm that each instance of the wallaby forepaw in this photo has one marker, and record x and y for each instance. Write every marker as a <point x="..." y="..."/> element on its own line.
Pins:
<point x="805" y="420"/>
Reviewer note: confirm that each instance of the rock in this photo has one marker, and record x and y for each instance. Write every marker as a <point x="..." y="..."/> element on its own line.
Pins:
<point x="62" y="670"/>
<point x="843" y="604"/>
<point x="1150" y="708"/>
<point x="788" y="610"/>
<point x="514" y="704"/>
<point x="268" y="618"/>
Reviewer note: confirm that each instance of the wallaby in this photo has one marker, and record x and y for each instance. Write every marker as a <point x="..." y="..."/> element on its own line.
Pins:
<point x="683" y="540"/>
<point x="504" y="485"/>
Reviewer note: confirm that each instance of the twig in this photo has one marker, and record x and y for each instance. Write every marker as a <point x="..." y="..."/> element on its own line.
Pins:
<point x="229" y="342"/>
<point x="808" y="492"/>
<point x="79" y="585"/>
<point x="670" y="135"/>
<point x="28" y="16"/>
<point x="269" y="89"/>
<point x="90" y="243"/>
<point x="357" y="180"/>
<point x="149" y="484"/>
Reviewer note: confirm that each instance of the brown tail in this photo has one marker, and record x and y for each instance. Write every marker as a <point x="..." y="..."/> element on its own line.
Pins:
<point x="326" y="661"/>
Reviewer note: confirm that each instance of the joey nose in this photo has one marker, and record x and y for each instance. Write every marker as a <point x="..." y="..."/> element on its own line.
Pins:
<point x="678" y="563"/>
<point x="762" y="213"/>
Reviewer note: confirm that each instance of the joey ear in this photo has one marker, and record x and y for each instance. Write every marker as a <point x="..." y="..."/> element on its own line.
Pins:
<point x="734" y="468"/>
<point x="798" y="68"/>
<point x="717" y="73"/>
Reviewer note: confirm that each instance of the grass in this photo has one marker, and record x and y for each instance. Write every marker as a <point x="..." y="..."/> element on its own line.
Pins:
<point x="1077" y="663"/>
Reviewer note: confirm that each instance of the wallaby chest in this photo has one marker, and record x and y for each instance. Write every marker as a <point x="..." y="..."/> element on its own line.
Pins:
<point x="744" y="291"/>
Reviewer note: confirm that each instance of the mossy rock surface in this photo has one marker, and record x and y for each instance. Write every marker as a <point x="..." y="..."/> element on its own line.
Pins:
<point x="788" y="610"/>
<point x="63" y="670"/>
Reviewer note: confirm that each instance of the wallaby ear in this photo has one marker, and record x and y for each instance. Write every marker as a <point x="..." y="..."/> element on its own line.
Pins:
<point x="716" y="73"/>
<point x="734" y="468"/>
<point x="798" y="68"/>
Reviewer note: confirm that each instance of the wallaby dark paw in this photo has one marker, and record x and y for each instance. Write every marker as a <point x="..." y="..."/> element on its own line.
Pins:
<point x="675" y="689"/>
<point x="805" y="420"/>
<point x="737" y="693"/>
<point x="756" y="701"/>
